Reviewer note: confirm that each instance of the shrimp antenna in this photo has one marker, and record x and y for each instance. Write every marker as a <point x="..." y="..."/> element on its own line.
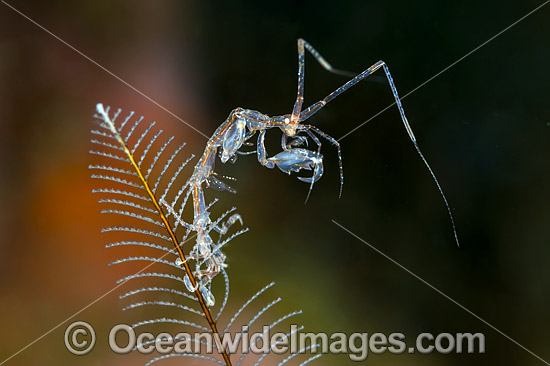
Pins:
<point x="413" y="139"/>
<point x="316" y="107"/>
<point x="440" y="190"/>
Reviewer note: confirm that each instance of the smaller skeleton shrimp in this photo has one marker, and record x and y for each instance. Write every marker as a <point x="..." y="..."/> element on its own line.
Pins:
<point x="242" y="124"/>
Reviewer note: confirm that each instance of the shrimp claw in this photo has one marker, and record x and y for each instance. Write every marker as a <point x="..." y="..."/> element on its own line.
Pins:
<point x="294" y="160"/>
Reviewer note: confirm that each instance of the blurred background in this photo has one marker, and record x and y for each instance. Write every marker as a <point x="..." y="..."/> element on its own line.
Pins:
<point x="484" y="125"/>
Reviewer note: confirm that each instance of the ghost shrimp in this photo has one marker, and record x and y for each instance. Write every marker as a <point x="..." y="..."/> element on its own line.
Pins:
<point x="243" y="124"/>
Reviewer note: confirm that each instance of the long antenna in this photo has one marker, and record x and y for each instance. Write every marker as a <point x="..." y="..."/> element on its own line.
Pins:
<point x="440" y="190"/>
<point x="413" y="139"/>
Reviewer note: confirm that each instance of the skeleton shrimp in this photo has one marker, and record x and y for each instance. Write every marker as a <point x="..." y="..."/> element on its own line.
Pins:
<point x="242" y="124"/>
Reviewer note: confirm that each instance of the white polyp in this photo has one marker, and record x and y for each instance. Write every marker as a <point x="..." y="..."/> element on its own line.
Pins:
<point x="179" y="262"/>
<point x="99" y="108"/>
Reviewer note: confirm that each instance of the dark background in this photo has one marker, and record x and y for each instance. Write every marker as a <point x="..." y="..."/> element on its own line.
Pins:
<point x="483" y="125"/>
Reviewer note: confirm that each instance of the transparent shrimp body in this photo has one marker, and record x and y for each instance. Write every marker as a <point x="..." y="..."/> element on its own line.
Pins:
<point x="240" y="126"/>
